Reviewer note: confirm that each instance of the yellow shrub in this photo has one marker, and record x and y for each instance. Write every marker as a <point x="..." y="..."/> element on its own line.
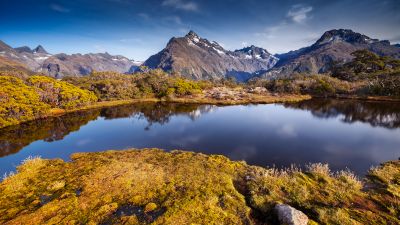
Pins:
<point x="60" y="93"/>
<point x="19" y="102"/>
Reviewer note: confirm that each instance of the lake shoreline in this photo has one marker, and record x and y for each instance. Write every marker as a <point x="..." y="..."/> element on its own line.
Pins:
<point x="192" y="187"/>
<point x="253" y="99"/>
<point x="363" y="98"/>
<point x="200" y="99"/>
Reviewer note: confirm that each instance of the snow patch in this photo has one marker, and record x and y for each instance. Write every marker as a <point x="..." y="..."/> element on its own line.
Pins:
<point x="14" y="56"/>
<point x="191" y="42"/>
<point x="219" y="51"/>
<point x="41" y="58"/>
<point x="196" y="40"/>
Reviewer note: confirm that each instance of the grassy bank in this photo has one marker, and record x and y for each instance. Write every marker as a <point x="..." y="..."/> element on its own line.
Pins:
<point x="153" y="186"/>
<point x="197" y="99"/>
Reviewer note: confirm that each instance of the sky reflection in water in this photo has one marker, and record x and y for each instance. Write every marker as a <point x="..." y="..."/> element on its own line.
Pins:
<point x="345" y="134"/>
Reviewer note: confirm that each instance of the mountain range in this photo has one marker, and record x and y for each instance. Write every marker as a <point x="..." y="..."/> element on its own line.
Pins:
<point x="60" y="65"/>
<point x="198" y="58"/>
<point x="333" y="46"/>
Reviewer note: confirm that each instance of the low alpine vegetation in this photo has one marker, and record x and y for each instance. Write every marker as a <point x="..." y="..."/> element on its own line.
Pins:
<point x="157" y="187"/>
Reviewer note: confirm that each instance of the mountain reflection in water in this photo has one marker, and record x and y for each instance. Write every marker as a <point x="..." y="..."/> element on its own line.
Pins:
<point x="344" y="133"/>
<point x="377" y="114"/>
<point x="14" y="138"/>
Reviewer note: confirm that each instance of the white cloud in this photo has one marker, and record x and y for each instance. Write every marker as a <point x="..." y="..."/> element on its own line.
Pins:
<point x="174" y="19"/>
<point x="181" y="4"/>
<point x="244" y="44"/>
<point x="59" y="8"/>
<point x="290" y="33"/>
<point x="299" y="13"/>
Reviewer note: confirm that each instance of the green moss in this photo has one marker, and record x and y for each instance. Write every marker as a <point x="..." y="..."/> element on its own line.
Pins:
<point x="187" y="188"/>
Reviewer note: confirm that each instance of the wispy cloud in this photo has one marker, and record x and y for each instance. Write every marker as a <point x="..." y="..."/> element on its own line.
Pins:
<point x="59" y="8"/>
<point x="181" y="4"/>
<point x="299" y="13"/>
<point x="144" y="16"/>
<point x="174" y="19"/>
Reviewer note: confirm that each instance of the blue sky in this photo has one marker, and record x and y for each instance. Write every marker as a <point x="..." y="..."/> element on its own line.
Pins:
<point x="140" y="28"/>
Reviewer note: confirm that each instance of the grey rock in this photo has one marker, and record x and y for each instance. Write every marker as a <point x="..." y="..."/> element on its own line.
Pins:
<point x="288" y="215"/>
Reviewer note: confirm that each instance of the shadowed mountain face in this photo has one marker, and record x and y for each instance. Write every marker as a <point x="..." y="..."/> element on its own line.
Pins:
<point x="377" y="114"/>
<point x="59" y="65"/>
<point x="197" y="58"/>
<point x="333" y="46"/>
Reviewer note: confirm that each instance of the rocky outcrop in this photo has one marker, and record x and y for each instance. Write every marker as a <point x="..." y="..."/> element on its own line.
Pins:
<point x="288" y="215"/>
<point x="197" y="58"/>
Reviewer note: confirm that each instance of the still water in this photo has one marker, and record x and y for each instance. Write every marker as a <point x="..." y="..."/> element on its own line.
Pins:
<point x="343" y="133"/>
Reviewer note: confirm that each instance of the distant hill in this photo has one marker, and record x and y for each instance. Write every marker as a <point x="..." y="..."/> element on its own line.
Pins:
<point x="10" y="65"/>
<point x="197" y="58"/>
<point x="59" y="65"/>
<point x="333" y="46"/>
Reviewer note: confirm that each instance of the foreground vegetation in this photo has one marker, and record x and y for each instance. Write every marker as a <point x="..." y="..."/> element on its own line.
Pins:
<point x="153" y="186"/>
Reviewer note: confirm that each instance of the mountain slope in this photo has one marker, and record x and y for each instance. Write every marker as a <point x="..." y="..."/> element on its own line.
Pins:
<point x="198" y="58"/>
<point x="10" y="65"/>
<point x="333" y="46"/>
<point x="59" y="65"/>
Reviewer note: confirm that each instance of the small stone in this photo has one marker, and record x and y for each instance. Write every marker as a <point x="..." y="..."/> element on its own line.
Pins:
<point x="290" y="216"/>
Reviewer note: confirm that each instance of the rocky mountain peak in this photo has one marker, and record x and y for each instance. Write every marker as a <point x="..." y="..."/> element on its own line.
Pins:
<point x="255" y="52"/>
<point x="5" y="47"/>
<point x="40" y="49"/>
<point x="23" y="49"/>
<point x="192" y="35"/>
<point x="344" y="35"/>
<point x="198" y="58"/>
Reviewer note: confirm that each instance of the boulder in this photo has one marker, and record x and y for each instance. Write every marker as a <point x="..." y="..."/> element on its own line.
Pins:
<point x="288" y="215"/>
